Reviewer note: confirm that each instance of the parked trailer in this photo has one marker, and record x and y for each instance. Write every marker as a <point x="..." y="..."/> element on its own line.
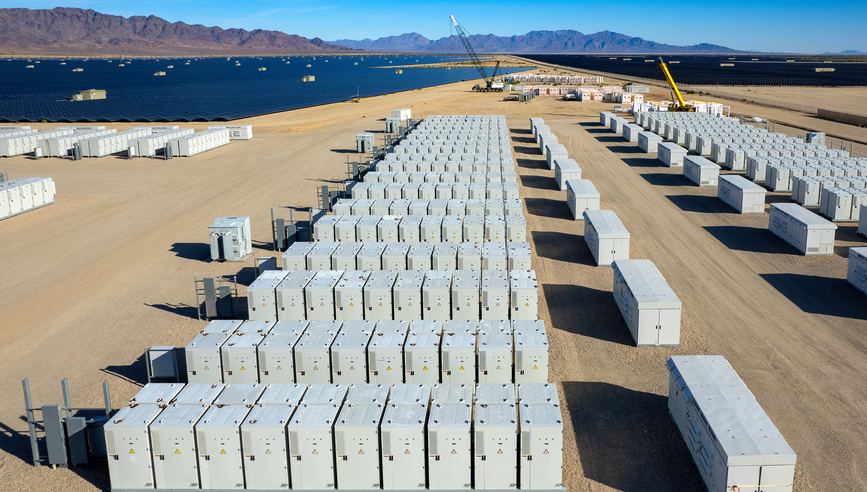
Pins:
<point x="732" y="441"/>
<point x="649" y="307"/>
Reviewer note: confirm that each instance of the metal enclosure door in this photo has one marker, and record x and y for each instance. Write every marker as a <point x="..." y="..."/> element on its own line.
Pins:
<point x="348" y="302"/>
<point x="541" y="465"/>
<point x="349" y="365"/>
<point x="357" y="453"/>
<point x="669" y="327"/>
<point x="449" y="454"/>
<point x="495" y="364"/>
<point x="421" y="363"/>
<point x="262" y="303"/>
<point x="377" y="303"/>
<point x="459" y="364"/>
<point x="495" y="302"/>
<point x="495" y="462"/>
<point x="436" y="300"/>
<point x="130" y="462"/>
<point x="311" y="458"/>
<point x="312" y="365"/>
<point x="531" y="364"/>
<point x="385" y="364"/>
<point x="204" y="365"/>
<point x="320" y="303"/>
<point x="177" y="466"/>
<point x="220" y="459"/>
<point x="403" y="458"/>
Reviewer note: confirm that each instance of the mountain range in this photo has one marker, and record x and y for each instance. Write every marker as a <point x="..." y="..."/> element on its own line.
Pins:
<point x="72" y="31"/>
<point x="565" y="41"/>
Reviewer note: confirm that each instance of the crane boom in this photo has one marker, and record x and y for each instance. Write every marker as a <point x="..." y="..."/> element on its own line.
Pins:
<point x="476" y="61"/>
<point x="681" y="104"/>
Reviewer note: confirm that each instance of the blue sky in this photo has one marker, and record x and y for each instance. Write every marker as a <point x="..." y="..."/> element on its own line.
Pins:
<point x="791" y="26"/>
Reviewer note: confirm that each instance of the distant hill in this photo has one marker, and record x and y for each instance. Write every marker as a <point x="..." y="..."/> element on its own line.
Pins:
<point x="566" y="41"/>
<point x="847" y="52"/>
<point x="73" y="31"/>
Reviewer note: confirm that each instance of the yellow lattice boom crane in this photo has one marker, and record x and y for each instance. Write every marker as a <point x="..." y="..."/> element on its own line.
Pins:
<point x="680" y="104"/>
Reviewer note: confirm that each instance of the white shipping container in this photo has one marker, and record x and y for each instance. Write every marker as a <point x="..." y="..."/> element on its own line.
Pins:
<point x="856" y="273"/>
<point x="700" y="170"/>
<point x="649" y="142"/>
<point x="806" y="231"/>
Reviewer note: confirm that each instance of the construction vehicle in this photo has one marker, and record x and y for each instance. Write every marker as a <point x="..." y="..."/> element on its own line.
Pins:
<point x="491" y="84"/>
<point x="680" y="104"/>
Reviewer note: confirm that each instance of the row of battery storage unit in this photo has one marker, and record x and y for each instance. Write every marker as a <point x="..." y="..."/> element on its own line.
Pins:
<point x="505" y="159"/>
<point x="445" y="167"/>
<point x="781" y="177"/>
<point x="190" y="145"/>
<point x="841" y="204"/>
<point x="365" y="351"/>
<point x="857" y="269"/>
<point x="153" y="144"/>
<point x="807" y="232"/>
<point x="334" y="439"/>
<point x="649" y="307"/>
<point x="420" y="228"/>
<point x="736" y="156"/>
<point x="436" y="191"/>
<point x="111" y="143"/>
<point x="393" y="295"/>
<point x="26" y="141"/>
<point x="24" y="194"/>
<point x="761" y="169"/>
<point x="61" y="146"/>
<point x="472" y="173"/>
<point x="236" y="132"/>
<point x="407" y="256"/>
<point x="478" y="207"/>
<point x="581" y="196"/>
<point x="732" y="441"/>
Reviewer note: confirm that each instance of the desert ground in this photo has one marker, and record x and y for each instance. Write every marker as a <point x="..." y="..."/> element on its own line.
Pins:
<point x="107" y="271"/>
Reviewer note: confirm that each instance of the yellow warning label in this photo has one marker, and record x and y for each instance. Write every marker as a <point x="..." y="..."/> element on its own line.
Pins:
<point x="535" y="367"/>
<point x="425" y="368"/>
<point x="498" y="368"/>
<point x="351" y="304"/>
<point x="222" y="451"/>
<point x="388" y="368"/>
<point x="406" y="452"/>
<point x="279" y="368"/>
<point x="177" y="451"/>
<point x="267" y="451"/>
<point x="499" y="451"/>
<point x="315" y="368"/>
<point x="545" y="452"/>
<point x="243" y="368"/>
<point x="131" y="451"/>
<point x="351" y="368"/>
<point x="315" y="452"/>
<point x="528" y="304"/>
<point x="206" y="368"/>
<point x="462" y="368"/>
<point x="360" y="451"/>
<point x="454" y="451"/>
<point x="264" y="304"/>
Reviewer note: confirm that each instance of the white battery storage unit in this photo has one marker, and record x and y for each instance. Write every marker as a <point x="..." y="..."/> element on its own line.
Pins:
<point x="198" y="394"/>
<point x="444" y="256"/>
<point x="295" y="257"/>
<point x="564" y="170"/>
<point x="528" y="326"/>
<point x="419" y="256"/>
<point x="156" y="393"/>
<point x="469" y="257"/>
<point x="466" y="298"/>
<point x="495" y="394"/>
<point x="453" y="229"/>
<point x="495" y="294"/>
<point x="495" y="326"/>
<point x="313" y="358"/>
<point x="458" y="358"/>
<point x="343" y="208"/>
<point x="261" y="299"/>
<point x="387" y="231"/>
<point x="322" y="326"/>
<point x="349" y="295"/>
<point x="523" y="295"/>
<point x="378" y="295"/>
<point x="407" y="295"/>
<point x="204" y="364"/>
<point x="409" y="229"/>
<point x="128" y="445"/>
<point x="176" y="464"/>
<point x="649" y="307"/>
<point x="449" y="438"/>
<point x="474" y="228"/>
<point x="261" y="327"/>
<point x="239" y="360"/>
<point x="700" y="170"/>
<point x="323" y="229"/>
<point x="276" y="359"/>
<point x="431" y="228"/>
<point x="606" y="236"/>
<point x="403" y="447"/>
<point x="385" y="358"/>
<point x="366" y="228"/>
<point x="649" y="142"/>
<point x="349" y="357"/>
<point x="452" y="394"/>
<point x="356" y="446"/>
<point x="671" y="154"/>
<point x="531" y="358"/>
<point x="436" y="295"/>
<point x="367" y="394"/>
<point x="218" y="440"/>
<point x="290" y="295"/>
<point x="370" y="256"/>
<point x="856" y="272"/>
<point x="495" y="228"/>
<point x="325" y="394"/>
<point x="410" y="394"/>
<point x="519" y="256"/>
<point x="264" y="443"/>
<point x="541" y="447"/>
<point x="311" y="450"/>
<point x="394" y="256"/>
<point x="495" y="358"/>
<point x="516" y="228"/>
<point x="730" y="438"/>
<point x="538" y="394"/>
<point x="422" y="358"/>
<point x="741" y="194"/>
<point x="581" y="196"/>
<point x="345" y="256"/>
<point x="434" y="327"/>
<point x="319" y="295"/>
<point x="495" y="442"/>
<point x="810" y="234"/>
<point x="494" y="256"/>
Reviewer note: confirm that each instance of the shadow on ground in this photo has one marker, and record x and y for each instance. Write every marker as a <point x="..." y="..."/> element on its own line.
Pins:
<point x="626" y="149"/>
<point x="627" y="440"/>
<point x="527" y="150"/>
<point x="132" y="373"/>
<point x="539" y="182"/>
<point x="562" y="247"/>
<point x="752" y="239"/>
<point x="532" y="164"/>
<point x="609" y="139"/>
<point x="700" y="203"/>
<point x="546" y="207"/>
<point x="665" y="179"/>
<point x="529" y="140"/>
<point x="587" y="312"/>
<point x="643" y="162"/>
<point x="192" y="251"/>
<point x="819" y="295"/>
